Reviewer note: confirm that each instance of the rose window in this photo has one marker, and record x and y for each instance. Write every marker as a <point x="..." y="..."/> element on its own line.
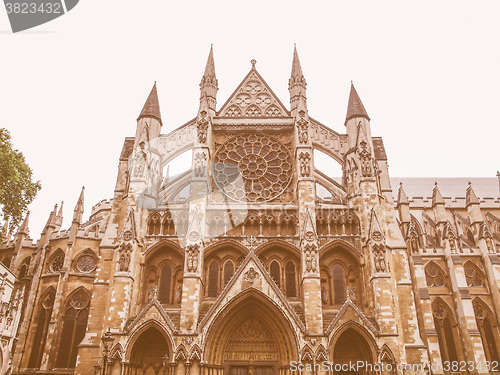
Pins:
<point x="85" y="263"/>
<point x="57" y="263"/>
<point x="263" y="163"/>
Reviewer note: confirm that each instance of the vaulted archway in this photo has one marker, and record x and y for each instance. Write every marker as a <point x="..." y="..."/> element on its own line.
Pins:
<point x="251" y="335"/>
<point x="353" y="346"/>
<point x="148" y="352"/>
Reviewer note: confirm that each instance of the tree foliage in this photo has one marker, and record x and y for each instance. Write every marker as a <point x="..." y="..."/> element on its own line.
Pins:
<point x="17" y="189"/>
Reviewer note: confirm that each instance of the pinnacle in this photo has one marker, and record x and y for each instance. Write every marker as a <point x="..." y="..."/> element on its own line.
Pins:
<point x="296" y="68"/>
<point x="210" y="67"/>
<point x="437" y="198"/>
<point x="402" y="198"/>
<point x="24" y="226"/>
<point x="470" y="196"/>
<point x="152" y="106"/>
<point x="355" y="107"/>
<point x="297" y="77"/>
<point x="78" y="212"/>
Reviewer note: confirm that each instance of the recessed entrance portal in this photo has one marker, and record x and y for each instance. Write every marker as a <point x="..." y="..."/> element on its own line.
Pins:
<point x="250" y="337"/>
<point x="350" y="348"/>
<point x="147" y="353"/>
<point x="251" y="350"/>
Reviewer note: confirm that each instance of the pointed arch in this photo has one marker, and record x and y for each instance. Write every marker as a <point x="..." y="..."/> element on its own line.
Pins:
<point x="435" y="275"/>
<point x="307" y="354"/>
<point x="148" y="348"/>
<point x="181" y="353"/>
<point x="195" y="353"/>
<point x="56" y="260"/>
<point x="488" y="327"/>
<point x="142" y="330"/>
<point x="474" y="275"/>
<point x="362" y="340"/>
<point x="154" y="224"/>
<point x="447" y="331"/>
<point x="74" y="324"/>
<point x="250" y="304"/>
<point x="42" y="319"/>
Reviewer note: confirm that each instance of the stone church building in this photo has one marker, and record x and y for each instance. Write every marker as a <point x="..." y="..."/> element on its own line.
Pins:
<point x="255" y="259"/>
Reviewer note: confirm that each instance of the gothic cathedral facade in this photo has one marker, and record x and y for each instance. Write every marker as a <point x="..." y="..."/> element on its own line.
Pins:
<point x="240" y="266"/>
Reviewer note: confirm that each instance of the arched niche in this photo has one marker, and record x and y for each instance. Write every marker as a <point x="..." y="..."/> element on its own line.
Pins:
<point x="283" y="264"/>
<point x="163" y="274"/>
<point x="340" y="272"/>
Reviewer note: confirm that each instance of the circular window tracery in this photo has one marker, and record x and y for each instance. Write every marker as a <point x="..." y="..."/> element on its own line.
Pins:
<point x="85" y="263"/>
<point x="57" y="263"/>
<point x="264" y="163"/>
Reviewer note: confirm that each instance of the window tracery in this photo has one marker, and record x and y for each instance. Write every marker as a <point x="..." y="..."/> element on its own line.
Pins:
<point x="264" y="163"/>
<point x="434" y="276"/>
<point x="444" y="328"/>
<point x="85" y="262"/>
<point x="73" y="329"/>
<point x="42" y="325"/>
<point x="473" y="276"/>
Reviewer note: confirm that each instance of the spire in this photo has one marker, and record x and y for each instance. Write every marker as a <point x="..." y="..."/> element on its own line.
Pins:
<point x="297" y="83"/>
<point x="23" y="229"/>
<point x="470" y="196"/>
<point x="152" y="106"/>
<point x="355" y="107"/>
<point x="297" y="77"/>
<point x="59" y="218"/>
<point x="437" y="198"/>
<point x="51" y="221"/>
<point x="209" y="84"/>
<point x="402" y="198"/>
<point x="78" y="212"/>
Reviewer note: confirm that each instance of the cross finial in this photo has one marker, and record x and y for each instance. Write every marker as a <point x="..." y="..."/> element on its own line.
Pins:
<point x="252" y="241"/>
<point x="253" y="62"/>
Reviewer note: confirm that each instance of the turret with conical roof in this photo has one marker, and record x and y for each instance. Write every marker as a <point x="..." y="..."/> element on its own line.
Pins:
<point x="209" y="84"/>
<point x="149" y="121"/>
<point x="357" y="119"/>
<point x="297" y="85"/>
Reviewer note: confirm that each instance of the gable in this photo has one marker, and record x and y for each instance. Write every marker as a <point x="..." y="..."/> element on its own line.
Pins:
<point x="253" y="98"/>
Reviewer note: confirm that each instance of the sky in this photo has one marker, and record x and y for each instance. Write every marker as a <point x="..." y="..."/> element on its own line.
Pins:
<point x="427" y="73"/>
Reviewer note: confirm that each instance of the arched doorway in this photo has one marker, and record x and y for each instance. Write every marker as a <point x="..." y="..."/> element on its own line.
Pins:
<point x="350" y="348"/>
<point x="251" y="336"/>
<point x="148" y="353"/>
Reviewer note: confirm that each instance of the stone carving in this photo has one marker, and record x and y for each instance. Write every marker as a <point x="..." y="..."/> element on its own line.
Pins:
<point x="153" y="292"/>
<point x="439" y="312"/>
<point x="310" y="257"/>
<point x="251" y="275"/>
<point x="303" y="128"/>
<point x="192" y="258"/>
<point x="202" y="126"/>
<point x="365" y="159"/>
<point x="324" y="295"/>
<point x="199" y="164"/>
<point x="124" y="257"/>
<point x="255" y="168"/>
<point x="140" y="164"/>
<point x="305" y="169"/>
<point x="379" y="258"/>
<point x="178" y="293"/>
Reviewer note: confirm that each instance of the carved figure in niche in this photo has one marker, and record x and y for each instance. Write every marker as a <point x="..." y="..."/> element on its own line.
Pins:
<point x="305" y="169"/>
<point x="302" y="127"/>
<point x="453" y="247"/>
<point x="199" y="164"/>
<point x="414" y="244"/>
<point x="192" y="258"/>
<point x="324" y="295"/>
<point x="366" y="170"/>
<point x="379" y="259"/>
<point x="202" y="126"/>
<point x="124" y="259"/>
<point x="153" y="292"/>
<point x="251" y="275"/>
<point x="308" y="262"/>
<point x="178" y="293"/>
